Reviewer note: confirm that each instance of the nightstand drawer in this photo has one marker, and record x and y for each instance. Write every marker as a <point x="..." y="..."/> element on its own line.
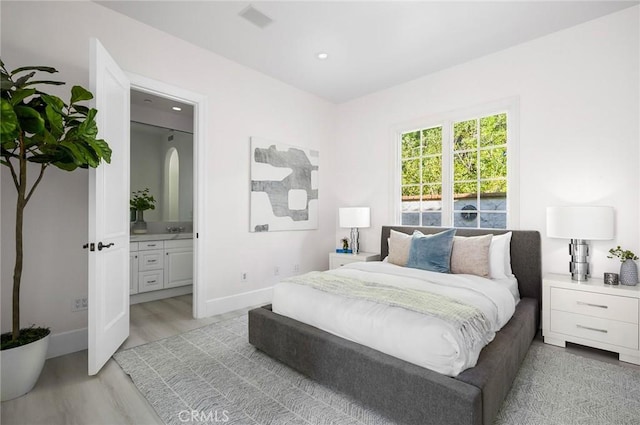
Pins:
<point x="335" y="263"/>
<point x="596" y="329"/>
<point x="596" y="305"/>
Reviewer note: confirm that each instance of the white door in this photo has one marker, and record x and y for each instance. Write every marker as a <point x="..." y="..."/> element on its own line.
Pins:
<point x="109" y="213"/>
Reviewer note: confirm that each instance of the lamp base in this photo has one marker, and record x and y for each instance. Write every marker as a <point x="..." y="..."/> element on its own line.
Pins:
<point x="579" y="265"/>
<point x="354" y="240"/>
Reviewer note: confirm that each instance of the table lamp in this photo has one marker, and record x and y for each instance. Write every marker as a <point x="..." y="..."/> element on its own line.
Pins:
<point x="354" y="217"/>
<point x="580" y="224"/>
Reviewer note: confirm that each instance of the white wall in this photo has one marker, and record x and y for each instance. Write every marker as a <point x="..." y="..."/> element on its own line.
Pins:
<point x="241" y="103"/>
<point x="579" y="129"/>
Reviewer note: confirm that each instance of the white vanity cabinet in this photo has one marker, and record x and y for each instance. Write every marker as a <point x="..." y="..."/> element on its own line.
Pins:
<point x="133" y="268"/>
<point x="160" y="264"/>
<point x="178" y="263"/>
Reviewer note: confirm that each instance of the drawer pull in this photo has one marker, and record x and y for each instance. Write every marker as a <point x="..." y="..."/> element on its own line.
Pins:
<point x="151" y="261"/>
<point x="592" y="305"/>
<point x="153" y="281"/>
<point x="604" y="331"/>
<point x="151" y="244"/>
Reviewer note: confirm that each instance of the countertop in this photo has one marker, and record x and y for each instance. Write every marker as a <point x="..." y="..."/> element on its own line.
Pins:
<point x="159" y="236"/>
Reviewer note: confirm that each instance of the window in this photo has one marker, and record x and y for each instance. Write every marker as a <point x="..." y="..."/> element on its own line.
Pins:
<point x="456" y="173"/>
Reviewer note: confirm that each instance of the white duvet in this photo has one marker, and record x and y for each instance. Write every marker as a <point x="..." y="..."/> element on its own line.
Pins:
<point x="424" y="340"/>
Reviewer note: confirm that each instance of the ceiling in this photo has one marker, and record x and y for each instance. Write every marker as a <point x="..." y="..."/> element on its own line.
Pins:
<point x="372" y="45"/>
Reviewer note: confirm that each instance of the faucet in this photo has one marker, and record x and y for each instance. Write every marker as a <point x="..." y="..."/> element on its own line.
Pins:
<point x="175" y="229"/>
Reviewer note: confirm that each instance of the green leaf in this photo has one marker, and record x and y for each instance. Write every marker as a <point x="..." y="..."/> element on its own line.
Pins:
<point x="9" y="127"/>
<point x="19" y="95"/>
<point x="48" y="69"/>
<point x="52" y="83"/>
<point x="106" y="150"/>
<point x="29" y="119"/>
<point x="78" y="94"/>
<point x="21" y="82"/>
<point x="83" y="110"/>
<point x="55" y="121"/>
<point x="55" y="102"/>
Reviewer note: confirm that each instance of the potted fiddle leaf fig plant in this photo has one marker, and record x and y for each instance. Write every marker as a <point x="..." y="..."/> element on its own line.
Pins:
<point x="38" y="130"/>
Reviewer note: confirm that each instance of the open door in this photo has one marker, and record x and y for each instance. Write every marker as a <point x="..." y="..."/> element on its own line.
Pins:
<point x="109" y="213"/>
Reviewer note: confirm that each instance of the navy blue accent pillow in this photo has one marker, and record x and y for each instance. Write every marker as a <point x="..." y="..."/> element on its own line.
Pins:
<point x="431" y="252"/>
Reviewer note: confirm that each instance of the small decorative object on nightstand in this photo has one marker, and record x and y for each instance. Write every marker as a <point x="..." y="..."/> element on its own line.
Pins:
<point x="628" y="268"/>
<point x="337" y="260"/>
<point x="611" y="278"/>
<point x="592" y="314"/>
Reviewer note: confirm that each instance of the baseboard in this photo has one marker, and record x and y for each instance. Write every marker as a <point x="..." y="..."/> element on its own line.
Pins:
<point x="68" y="342"/>
<point x="236" y="302"/>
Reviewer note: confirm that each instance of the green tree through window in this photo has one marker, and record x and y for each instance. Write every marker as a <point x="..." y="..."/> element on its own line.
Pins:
<point x="473" y="171"/>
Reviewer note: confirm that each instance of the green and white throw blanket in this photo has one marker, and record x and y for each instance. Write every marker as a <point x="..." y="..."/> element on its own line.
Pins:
<point x="468" y="320"/>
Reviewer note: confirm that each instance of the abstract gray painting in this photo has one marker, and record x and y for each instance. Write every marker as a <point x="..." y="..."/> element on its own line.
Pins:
<point x="284" y="187"/>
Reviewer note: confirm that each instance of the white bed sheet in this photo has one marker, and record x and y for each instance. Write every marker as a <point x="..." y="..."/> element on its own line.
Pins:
<point x="414" y="337"/>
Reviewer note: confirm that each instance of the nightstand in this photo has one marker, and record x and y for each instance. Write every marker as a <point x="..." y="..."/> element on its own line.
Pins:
<point x="592" y="314"/>
<point x="337" y="260"/>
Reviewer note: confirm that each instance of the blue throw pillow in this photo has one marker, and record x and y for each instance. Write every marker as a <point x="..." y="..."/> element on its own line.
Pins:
<point x="431" y="252"/>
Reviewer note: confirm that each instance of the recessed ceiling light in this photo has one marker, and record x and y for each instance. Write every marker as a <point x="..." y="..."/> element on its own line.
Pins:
<point x="147" y="101"/>
<point x="322" y="55"/>
<point x="176" y="108"/>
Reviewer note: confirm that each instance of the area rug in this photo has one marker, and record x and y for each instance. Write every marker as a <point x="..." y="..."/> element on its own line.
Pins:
<point x="213" y="375"/>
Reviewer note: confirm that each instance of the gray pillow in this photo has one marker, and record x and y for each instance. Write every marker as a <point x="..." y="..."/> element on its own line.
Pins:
<point x="470" y="255"/>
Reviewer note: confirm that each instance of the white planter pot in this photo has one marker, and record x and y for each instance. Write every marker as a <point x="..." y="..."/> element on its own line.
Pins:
<point x="21" y="367"/>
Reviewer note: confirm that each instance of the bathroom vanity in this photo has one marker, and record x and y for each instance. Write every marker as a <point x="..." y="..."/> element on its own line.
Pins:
<point x="161" y="266"/>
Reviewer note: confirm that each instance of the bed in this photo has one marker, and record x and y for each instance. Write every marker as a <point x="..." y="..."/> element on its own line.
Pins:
<point x="402" y="391"/>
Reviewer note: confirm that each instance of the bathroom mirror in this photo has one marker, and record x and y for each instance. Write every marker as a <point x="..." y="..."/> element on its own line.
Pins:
<point x="162" y="160"/>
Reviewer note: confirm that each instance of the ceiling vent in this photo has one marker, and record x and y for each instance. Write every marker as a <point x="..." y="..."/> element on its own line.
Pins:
<point x="256" y="17"/>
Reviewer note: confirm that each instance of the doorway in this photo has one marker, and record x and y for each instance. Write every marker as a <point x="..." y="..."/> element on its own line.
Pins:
<point x="184" y="215"/>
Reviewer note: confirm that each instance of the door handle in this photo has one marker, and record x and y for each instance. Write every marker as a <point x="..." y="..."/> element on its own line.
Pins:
<point x="101" y="245"/>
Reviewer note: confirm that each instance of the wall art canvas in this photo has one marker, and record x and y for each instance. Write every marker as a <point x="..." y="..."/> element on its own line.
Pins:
<point x="284" y="187"/>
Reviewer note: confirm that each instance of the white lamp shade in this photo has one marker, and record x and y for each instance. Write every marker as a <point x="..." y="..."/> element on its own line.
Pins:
<point x="354" y="217"/>
<point x="584" y="222"/>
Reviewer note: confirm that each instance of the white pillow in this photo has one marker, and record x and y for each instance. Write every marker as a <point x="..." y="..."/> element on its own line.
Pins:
<point x="500" y="257"/>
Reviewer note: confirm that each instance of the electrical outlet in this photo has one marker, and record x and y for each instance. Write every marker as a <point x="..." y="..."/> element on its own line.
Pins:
<point x="244" y="277"/>
<point x="79" y="304"/>
<point x="296" y="268"/>
<point x="276" y="271"/>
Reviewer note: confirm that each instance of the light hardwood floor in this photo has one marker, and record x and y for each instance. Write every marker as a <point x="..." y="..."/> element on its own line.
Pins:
<point x="65" y="395"/>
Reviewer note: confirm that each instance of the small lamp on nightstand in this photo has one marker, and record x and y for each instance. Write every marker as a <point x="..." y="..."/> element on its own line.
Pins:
<point x="354" y="217"/>
<point x="580" y="223"/>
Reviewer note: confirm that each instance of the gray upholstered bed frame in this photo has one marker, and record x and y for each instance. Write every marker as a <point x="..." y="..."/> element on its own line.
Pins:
<point x="404" y="392"/>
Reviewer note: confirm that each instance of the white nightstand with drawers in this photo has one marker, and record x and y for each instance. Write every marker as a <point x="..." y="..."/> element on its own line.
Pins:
<point x="337" y="259"/>
<point x="592" y="314"/>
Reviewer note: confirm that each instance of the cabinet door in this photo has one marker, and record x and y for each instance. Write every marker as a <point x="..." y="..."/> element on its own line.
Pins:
<point x="133" y="273"/>
<point x="178" y="267"/>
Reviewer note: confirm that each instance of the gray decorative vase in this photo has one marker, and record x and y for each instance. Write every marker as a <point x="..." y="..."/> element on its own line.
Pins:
<point x="140" y="226"/>
<point x="629" y="273"/>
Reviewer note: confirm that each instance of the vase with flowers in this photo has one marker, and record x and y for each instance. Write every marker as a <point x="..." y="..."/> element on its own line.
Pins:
<point x="628" y="268"/>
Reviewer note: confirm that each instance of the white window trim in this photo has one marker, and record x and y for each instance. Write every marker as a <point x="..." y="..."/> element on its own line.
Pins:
<point x="509" y="105"/>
